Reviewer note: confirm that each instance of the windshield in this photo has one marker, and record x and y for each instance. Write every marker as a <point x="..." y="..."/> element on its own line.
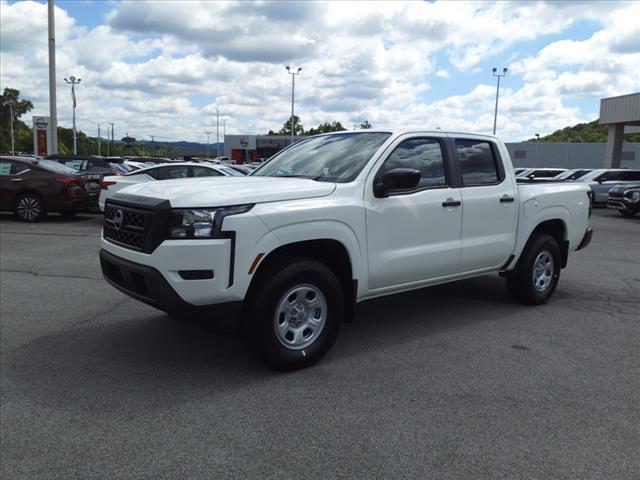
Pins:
<point x="54" y="166"/>
<point x="338" y="157"/>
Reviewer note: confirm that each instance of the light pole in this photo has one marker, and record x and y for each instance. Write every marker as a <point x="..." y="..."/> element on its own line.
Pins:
<point x="568" y="150"/>
<point x="293" y="89"/>
<point x="499" y="75"/>
<point x="535" y="163"/>
<point x="207" y="133"/>
<point x="217" y="132"/>
<point x="224" y="134"/>
<point x="53" y="105"/>
<point x="13" y="141"/>
<point x="98" y="139"/>
<point x="73" y="81"/>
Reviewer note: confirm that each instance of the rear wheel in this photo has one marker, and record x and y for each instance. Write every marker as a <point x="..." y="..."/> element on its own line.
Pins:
<point x="29" y="208"/>
<point x="536" y="276"/>
<point x="294" y="313"/>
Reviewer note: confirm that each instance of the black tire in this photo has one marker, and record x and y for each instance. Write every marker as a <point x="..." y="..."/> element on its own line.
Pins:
<point x="29" y="208"/>
<point x="272" y="289"/>
<point x="521" y="282"/>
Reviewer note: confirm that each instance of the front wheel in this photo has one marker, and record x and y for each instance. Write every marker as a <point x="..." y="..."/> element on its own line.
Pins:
<point x="294" y="313"/>
<point x="536" y="276"/>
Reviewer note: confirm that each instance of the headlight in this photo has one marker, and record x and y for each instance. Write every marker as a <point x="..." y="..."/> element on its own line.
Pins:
<point x="635" y="195"/>
<point x="195" y="223"/>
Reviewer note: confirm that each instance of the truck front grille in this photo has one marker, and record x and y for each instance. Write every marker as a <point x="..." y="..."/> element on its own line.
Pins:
<point x="126" y="226"/>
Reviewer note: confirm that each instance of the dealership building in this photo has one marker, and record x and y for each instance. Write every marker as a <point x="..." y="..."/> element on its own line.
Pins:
<point x="248" y="148"/>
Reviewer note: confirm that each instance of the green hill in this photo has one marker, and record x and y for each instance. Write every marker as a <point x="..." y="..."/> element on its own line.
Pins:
<point x="591" y="132"/>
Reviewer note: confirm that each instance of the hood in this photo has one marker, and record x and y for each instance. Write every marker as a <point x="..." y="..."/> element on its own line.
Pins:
<point x="224" y="191"/>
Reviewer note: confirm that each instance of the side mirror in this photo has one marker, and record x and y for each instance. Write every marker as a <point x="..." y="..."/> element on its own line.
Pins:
<point x="396" y="179"/>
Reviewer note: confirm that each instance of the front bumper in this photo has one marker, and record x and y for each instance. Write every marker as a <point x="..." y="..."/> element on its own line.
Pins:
<point x="146" y="284"/>
<point x="622" y="204"/>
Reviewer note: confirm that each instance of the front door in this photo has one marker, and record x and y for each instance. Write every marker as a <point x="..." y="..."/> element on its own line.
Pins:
<point x="413" y="236"/>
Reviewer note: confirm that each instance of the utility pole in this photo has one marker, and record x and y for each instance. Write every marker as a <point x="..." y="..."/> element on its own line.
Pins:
<point x="207" y="133"/>
<point x="495" y="115"/>
<point x="13" y="141"/>
<point x="99" y="140"/>
<point x="73" y="81"/>
<point x="217" y="133"/>
<point x="153" y="146"/>
<point x="293" y="88"/>
<point x="224" y="134"/>
<point x="53" y="108"/>
<point x="535" y="163"/>
<point x="108" y="149"/>
<point x="112" y="134"/>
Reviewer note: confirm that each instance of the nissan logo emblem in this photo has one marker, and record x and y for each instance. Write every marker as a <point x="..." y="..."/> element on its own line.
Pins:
<point x="118" y="219"/>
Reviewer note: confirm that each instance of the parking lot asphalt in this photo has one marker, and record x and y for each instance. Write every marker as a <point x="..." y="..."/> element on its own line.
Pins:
<point x="456" y="381"/>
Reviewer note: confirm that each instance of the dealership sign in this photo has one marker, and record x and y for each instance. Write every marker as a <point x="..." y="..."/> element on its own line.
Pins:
<point x="41" y="136"/>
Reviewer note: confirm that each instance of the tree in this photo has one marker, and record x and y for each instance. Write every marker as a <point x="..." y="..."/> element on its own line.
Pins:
<point x="10" y="100"/>
<point x="592" y="132"/>
<point x="326" y="128"/>
<point x="365" y="125"/>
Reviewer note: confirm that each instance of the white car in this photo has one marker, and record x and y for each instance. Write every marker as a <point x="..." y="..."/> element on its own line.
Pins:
<point x="532" y="173"/>
<point x="336" y="219"/>
<point x="164" y="171"/>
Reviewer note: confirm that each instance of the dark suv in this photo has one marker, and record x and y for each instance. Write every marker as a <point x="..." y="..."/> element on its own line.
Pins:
<point x="31" y="188"/>
<point x="625" y="199"/>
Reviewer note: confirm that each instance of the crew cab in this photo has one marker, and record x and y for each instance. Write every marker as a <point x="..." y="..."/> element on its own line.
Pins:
<point x="336" y="219"/>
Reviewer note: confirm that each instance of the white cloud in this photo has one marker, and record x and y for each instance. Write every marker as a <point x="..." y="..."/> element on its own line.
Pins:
<point x="145" y="66"/>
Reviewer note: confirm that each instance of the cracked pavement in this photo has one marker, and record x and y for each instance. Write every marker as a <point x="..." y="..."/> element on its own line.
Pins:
<point x="456" y="381"/>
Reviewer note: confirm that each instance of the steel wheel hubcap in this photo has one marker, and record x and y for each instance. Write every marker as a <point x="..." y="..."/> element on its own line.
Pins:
<point x="29" y="208"/>
<point x="300" y="316"/>
<point x="543" y="271"/>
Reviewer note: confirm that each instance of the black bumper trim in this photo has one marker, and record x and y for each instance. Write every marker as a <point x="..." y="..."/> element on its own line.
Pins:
<point x="147" y="285"/>
<point x="586" y="240"/>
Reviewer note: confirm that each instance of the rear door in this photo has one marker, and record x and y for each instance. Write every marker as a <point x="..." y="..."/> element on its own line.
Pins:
<point x="489" y="207"/>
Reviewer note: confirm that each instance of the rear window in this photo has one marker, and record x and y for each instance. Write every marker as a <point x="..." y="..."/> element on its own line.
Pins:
<point x="477" y="162"/>
<point x="56" y="167"/>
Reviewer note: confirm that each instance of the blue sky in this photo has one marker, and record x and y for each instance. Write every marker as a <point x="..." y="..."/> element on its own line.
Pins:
<point x="161" y="68"/>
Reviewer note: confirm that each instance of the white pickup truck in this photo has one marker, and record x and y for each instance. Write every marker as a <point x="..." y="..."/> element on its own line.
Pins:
<point x="336" y="219"/>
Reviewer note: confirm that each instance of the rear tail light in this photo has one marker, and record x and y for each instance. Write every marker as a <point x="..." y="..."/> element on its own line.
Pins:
<point x="70" y="181"/>
<point x="105" y="184"/>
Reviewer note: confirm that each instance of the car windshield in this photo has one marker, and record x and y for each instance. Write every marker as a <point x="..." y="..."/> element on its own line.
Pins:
<point x="54" y="166"/>
<point x="338" y="157"/>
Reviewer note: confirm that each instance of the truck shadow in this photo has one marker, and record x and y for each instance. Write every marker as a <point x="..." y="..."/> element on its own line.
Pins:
<point x="120" y="364"/>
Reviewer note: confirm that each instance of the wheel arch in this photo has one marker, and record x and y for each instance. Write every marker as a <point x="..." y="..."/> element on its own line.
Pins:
<point x="330" y="252"/>
<point x="557" y="228"/>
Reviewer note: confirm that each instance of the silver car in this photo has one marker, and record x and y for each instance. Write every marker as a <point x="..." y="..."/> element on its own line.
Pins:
<point x="603" y="180"/>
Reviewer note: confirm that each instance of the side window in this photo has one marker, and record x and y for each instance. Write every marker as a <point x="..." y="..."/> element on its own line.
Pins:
<point x="170" y="173"/>
<point x="631" y="175"/>
<point x="5" y="168"/>
<point x="205" y="172"/>
<point x="610" y="177"/>
<point x="422" y="154"/>
<point x="18" y="167"/>
<point x="477" y="163"/>
<point x="153" y="173"/>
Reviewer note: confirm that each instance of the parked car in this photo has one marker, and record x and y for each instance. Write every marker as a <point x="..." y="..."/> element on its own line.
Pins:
<point x="242" y="169"/>
<point x="165" y="171"/>
<point x="603" y="180"/>
<point x="625" y="199"/>
<point x="336" y="219"/>
<point x="573" y="174"/>
<point x="31" y="188"/>
<point x="547" y="173"/>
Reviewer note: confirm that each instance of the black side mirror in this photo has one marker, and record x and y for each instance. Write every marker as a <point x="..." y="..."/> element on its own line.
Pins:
<point x="396" y="179"/>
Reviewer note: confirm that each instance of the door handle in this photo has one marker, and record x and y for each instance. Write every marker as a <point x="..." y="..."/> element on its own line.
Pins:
<point x="506" y="199"/>
<point x="450" y="202"/>
<point x="16" y="179"/>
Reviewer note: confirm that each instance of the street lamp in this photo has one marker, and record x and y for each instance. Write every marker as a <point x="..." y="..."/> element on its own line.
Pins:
<point x="499" y="75"/>
<point x="217" y="133"/>
<point x="13" y="140"/>
<point x="73" y="81"/>
<point x="535" y="163"/>
<point x="293" y="88"/>
<point x="207" y="133"/>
